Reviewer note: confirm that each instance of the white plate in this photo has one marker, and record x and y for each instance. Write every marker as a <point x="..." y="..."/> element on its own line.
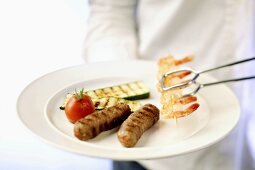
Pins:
<point x="38" y="108"/>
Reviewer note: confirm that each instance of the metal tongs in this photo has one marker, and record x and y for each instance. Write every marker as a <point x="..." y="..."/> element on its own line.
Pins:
<point x="196" y="75"/>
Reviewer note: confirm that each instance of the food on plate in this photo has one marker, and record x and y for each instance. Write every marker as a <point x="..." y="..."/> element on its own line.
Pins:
<point x="136" y="124"/>
<point x="172" y="104"/>
<point x="99" y="121"/>
<point x="79" y="106"/>
<point x="113" y="106"/>
<point x="129" y="91"/>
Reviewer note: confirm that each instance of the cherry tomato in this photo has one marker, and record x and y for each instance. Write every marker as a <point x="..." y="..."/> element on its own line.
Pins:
<point x="78" y="107"/>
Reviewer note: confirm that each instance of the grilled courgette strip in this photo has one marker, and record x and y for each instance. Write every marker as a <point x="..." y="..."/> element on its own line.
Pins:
<point x="111" y="101"/>
<point x="129" y="91"/>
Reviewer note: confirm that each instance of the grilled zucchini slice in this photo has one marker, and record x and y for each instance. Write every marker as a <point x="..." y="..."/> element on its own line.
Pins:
<point x="109" y="102"/>
<point x="112" y="101"/>
<point x="129" y="91"/>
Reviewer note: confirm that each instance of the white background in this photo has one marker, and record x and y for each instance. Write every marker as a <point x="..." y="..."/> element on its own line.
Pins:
<point x="37" y="37"/>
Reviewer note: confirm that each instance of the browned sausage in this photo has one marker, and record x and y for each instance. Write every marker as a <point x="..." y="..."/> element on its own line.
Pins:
<point x="136" y="124"/>
<point x="99" y="121"/>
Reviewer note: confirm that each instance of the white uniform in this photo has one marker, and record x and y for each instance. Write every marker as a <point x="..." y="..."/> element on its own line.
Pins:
<point x="215" y="31"/>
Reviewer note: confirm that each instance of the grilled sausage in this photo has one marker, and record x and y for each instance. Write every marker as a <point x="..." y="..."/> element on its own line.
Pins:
<point x="99" y="121"/>
<point x="136" y="124"/>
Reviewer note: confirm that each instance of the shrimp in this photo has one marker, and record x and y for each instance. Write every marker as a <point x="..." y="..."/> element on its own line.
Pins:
<point x="172" y="104"/>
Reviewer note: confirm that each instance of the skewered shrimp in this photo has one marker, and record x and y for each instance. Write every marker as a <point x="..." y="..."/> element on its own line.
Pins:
<point x="172" y="104"/>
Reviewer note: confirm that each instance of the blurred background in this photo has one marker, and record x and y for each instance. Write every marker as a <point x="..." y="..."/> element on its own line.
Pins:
<point x="37" y="37"/>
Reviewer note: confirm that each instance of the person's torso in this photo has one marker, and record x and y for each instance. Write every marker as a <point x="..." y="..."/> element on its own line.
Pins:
<point x="214" y="31"/>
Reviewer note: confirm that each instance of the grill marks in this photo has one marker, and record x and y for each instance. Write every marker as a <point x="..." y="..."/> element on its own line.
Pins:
<point x="137" y="123"/>
<point x="99" y="121"/>
<point x="132" y="125"/>
<point x="118" y="91"/>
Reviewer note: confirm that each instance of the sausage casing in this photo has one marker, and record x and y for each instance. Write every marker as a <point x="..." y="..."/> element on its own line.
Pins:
<point x="136" y="124"/>
<point x="99" y="121"/>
